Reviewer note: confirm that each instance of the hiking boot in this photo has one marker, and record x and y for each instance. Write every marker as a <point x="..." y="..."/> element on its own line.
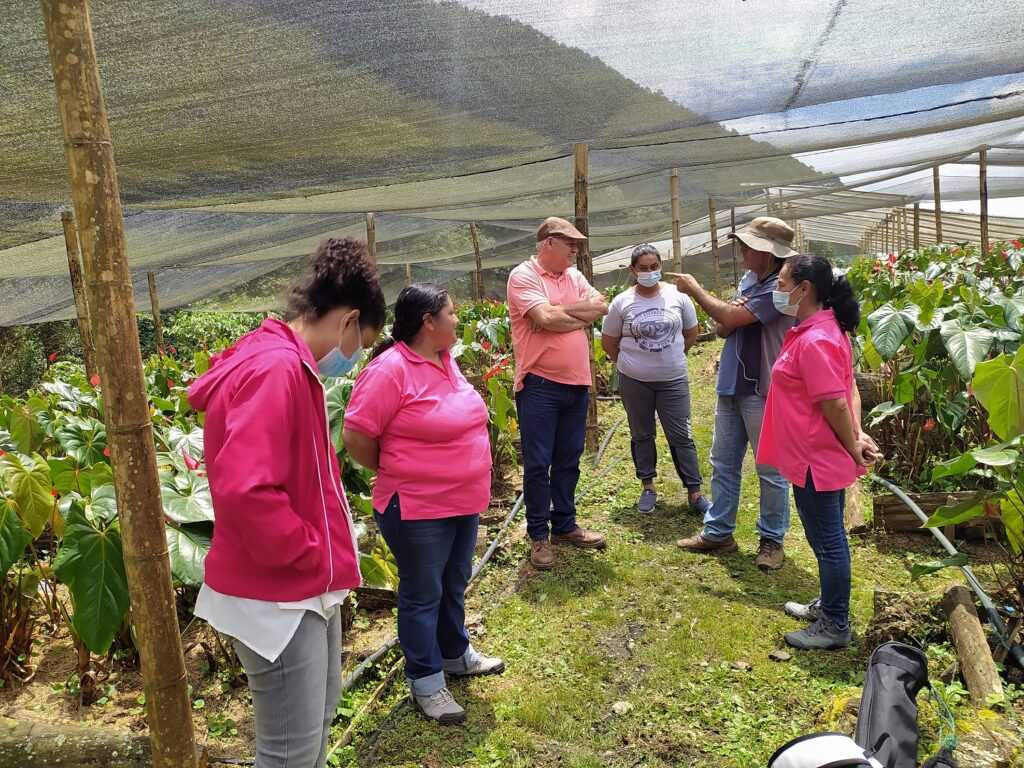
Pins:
<point x="821" y="635"/>
<point x="473" y="663"/>
<point x="441" y="707"/>
<point x="700" y="505"/>
<point x="770" y="556"/>
<point x="542" y="556"/>
<point x="580" y="537"/>
<point x="703" y="545"/>
<point x="648" y="499"/>
<point x="805" y="612"/>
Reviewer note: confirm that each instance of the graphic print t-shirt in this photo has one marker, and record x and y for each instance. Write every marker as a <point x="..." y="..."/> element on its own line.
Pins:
<point x="651" y="333"/>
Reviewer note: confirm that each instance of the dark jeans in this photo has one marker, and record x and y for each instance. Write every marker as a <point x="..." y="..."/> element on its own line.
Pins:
<point x="435" y="558"/>
<point x="822" y="515"/>
<point x="553" y="428"/>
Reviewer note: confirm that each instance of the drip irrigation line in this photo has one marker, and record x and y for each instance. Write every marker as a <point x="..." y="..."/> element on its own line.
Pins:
<point x="607" y="439"/>
<point x="1015" y="652"/>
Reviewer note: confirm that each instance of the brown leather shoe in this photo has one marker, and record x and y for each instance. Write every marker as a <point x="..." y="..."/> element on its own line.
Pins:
<point x="707" y="546"/>
<point x="542" y="556"/>
<point x="580" y="537"/>
<point x="770" y="556"/>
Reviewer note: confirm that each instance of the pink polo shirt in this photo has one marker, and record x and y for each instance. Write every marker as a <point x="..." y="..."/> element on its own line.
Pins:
<point x="435" y="452"/>
<point x="815" y="364"/>
<point x="561" y="357"/>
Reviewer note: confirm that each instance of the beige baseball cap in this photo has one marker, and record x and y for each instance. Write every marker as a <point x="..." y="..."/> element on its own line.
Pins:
<point x="560" y="227"/>
<point x="766" y="233"/>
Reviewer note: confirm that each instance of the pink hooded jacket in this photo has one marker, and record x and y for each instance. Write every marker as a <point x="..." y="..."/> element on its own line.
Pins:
<point x="283" y="527"/>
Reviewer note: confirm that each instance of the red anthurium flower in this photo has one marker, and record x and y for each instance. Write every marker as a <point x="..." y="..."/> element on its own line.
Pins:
<point x="52" y="357"/>
<point x="170" y="383"/>
<point x="53" y="492"/>
<point x="106" y="451"/>
<point x="190" y="462"/>
<point x="2" y="454"/>
<point x="929" y="424"/>
<point x="496" y="368"/>
<point x="1017" y="244"/>
<point x="95" y="380"/>
<point x="486" y="345"/>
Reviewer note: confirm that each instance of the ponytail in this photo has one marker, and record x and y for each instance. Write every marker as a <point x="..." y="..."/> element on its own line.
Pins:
<point x="413" y="304"/>
<point x="844" y="304"/>
<point x="833" y="291"/>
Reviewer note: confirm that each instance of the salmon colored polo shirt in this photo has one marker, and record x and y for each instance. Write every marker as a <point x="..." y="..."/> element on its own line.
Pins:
<point x="815" y="364"/>
<point x="431" y="424"/>
<point x="560" y="357"/>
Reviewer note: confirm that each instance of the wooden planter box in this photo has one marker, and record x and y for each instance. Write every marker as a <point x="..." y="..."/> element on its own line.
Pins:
<point x="872" y="390"/>
<point x="893" y="516"/>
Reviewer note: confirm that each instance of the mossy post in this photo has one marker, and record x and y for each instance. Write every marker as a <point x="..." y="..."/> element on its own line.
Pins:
<point x="713" y="223"/>
<point x="983" y="198"/>
<point x="67" y="219"/>
<point x="97" y="203"/>
<point x="917" y="226"/>
<point x="154" y="303"/>
<point x="677" y="247"/>
<point x="478" y="273"/>
<point x="735" y="248"/>
<point x="937" y="194"/>
<point x="371" y="238"/>
<point x="581" y="169"/>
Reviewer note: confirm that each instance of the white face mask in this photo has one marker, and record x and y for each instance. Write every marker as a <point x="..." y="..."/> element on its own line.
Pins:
<point x="781" y="301"/>
<point x="649" y="279"/>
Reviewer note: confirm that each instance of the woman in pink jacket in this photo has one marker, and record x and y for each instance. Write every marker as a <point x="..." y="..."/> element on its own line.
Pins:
<point x="284" y="548"/>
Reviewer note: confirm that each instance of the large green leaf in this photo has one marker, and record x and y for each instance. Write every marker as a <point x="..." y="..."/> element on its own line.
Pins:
<point x="967" y="345"/>
<point x="999" y="386"/>
<point x="337" y="395"/>
<point x="6" y="441"/>
<point x="69" y="397"/>
<point x="83" y="439"/>
<point x="102" y="506"/>
<point x="917" y="570"/>
<point x="28" y="477"/>
<point x="377" y="572"/>
<point x="186" y="499"/>
<point x="1013" y="310"/>
<point x="883" y="411"/>
<point x="26" y="431"/>
<point x="192" y="441"/>
<point x="995" y="456"/>
<point x="187" y="547"/>
<point x="956" y="467"/>
<point x="13" y="536"/>
<point x="501" y="404"/>
<point x="889" y="329"/>
<point x="91" y="562"/>
<point x="1010" y="512"/>
<point x="960" y="513"/>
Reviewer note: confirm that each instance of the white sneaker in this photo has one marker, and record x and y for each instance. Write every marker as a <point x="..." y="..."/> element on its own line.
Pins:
<point x="477" y="664"/>
<point x="809" y="612"/>
<point x="441" y="707"/>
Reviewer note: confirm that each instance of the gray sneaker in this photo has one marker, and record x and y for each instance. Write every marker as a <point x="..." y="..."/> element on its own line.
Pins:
<point x="648" y="499"/>
<point x="441" y="707"/>
<point x="477" y="665"/>
<point x="805" y="612"/>
<point x="821" y="635"/>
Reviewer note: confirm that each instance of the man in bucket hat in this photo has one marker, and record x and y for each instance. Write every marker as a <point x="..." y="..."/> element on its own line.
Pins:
<point x="550" y="302"/>
<point x="753" y="330"/>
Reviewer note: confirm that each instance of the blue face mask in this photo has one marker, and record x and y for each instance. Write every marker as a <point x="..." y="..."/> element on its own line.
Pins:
<point x="649" y="279"/>
<point x="781" y="301"/>
<point x="336" y="364"/>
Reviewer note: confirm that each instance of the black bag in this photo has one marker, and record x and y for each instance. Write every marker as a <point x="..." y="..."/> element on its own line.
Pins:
<point x="887" y="722"/>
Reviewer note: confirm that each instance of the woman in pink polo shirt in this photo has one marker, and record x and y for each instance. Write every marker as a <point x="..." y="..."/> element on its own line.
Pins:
<point x="415" y="419"/>
<point x="812" y="434"/>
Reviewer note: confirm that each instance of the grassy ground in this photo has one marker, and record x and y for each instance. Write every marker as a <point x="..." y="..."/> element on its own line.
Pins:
<point x="643" y="655"/>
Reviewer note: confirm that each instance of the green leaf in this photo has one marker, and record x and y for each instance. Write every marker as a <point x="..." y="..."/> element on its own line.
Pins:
<point x="1010" y="512"/>
<point x="995" y="456"/>
<point x="501" y="404"/>
<point x="191" y="503"/>
<point x="889" y="329"/>
<point x="69" y="398"/>
<point x="91" y="563"/>
<point x="187" y="547"/>
<point x="961" y="512"/>
<point x="26" y="431"/>
<point x="967" y="345"/>
<point x="917" y="570"/>
<point x="13" y="536"/>
<point x="102" y="505"/>
<point x="30" y="484"/>
<point x="192" y="441"/>
<point x="961" y="465"/>
<point x="883" y="411"/>
<point x="65" y="475"/>
<point x="83" y="439"/>
<point x="377" y="572"/>
<point x="337" y="396"/>
<point x="999" y="386"/>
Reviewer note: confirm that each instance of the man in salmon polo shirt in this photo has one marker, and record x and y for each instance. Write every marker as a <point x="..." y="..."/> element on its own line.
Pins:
<point x="550" y="303"/>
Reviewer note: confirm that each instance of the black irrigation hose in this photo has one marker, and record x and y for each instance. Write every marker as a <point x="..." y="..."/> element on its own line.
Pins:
<point x="1015" y="652"/>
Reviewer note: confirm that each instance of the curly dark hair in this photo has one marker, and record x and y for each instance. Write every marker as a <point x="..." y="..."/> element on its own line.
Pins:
<point x="339" y="274"/>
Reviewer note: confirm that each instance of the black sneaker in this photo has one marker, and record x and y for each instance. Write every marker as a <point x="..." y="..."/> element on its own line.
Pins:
<point x="821" y="635"/>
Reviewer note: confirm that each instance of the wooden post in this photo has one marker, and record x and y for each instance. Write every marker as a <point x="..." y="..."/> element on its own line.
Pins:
<point x="735" y="248"/>
<point x="972" y="649"/>
<point x="677" y="248"/>
<point x="97" y="203"/>
<point x="917" y="226"/>
<point x="983" y="198"/>
<point x="408" y="275"/>
<point x="478" y="274"/>
<point x="154" y="302"/>
<point x="371" y="238"/>
<point x="904" y="228"/>
<point x="938" y="204"/>
<point x="713" y="223"/>
<point x="78" y="290"/>
<point x="581" y="170"/>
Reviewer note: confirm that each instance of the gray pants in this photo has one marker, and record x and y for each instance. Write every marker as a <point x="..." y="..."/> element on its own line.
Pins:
<point x="671" y="401"/>
<point x="295" y="696"/>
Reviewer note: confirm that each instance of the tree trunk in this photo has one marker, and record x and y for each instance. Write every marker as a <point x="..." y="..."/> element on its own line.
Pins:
<point x="972" y="649"/>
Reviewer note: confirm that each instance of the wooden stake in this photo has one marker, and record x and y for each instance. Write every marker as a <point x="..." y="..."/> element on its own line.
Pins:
<point x="735" y="248"/>
<point x="972" y="649"/>
<point x="78" y="290"/>
<point x="983" y="198"/>
<point x="371" y="238"/>
<point x="154" y="301"/>
<point x="713" y="222"/>
<point x="97" y="203"/>
<point x="917" y="226"/>
<point x="677" y="248"/>
<point x="581" y="170"/>
<point x="937" y="194"/>
<point x="408" y="275"/>
<point x="478" y="275"/>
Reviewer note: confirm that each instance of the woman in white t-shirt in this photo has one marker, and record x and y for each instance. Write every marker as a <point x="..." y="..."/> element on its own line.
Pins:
<point x="647" y="332"/>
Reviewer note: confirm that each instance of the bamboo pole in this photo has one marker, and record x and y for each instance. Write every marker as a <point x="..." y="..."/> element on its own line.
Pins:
<point x="937" y="187"/>
<point x="478" y="274"/>
<point x="97" y="203"/>
<point x="154" y="302"/>
<point x="735" y="248"/>
<point x="371" y="238"/>
<point x="972" y="649"/>
<point x="904" y="230"/>
<point x="983" y="198"/>
<point x="917" y="226"/>
<point x="408" y="275"/>
<point x="67" y="219"/>
<point x="713" y="223"/>
<point x="581" y="171"/>
<point x="677" y="247"/>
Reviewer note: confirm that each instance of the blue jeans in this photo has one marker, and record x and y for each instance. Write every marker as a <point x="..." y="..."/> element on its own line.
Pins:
<point x="553" y="429"/>
<point x="821" y="512"/>
<point x="737" y="423"/>
<point x="435" y="558"/>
